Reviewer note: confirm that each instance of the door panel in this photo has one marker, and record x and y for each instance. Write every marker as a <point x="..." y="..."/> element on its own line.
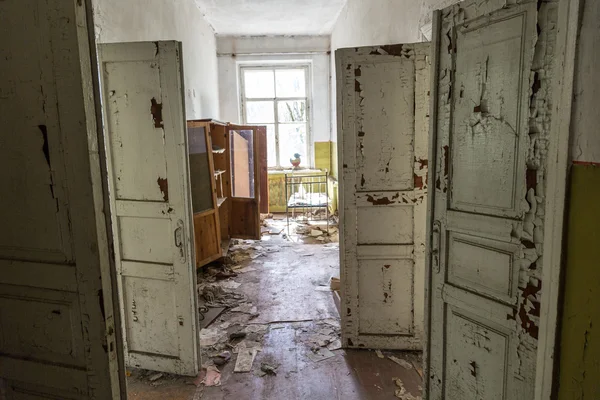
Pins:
<point x="244" y="221"/>
<point x="489" y="103"/>
<point x="148" y="173"/>
<point x="57" y="319"/>
<point x="207" y="230"/>
<point x="383" y="116"/>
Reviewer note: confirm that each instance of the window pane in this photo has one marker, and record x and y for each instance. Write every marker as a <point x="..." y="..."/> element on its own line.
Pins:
<point x="242" y="163"/>
<point x="271" y="146"/>
<point x="292" y="140"/>
<point x="258" y="84"/>
<point x="258" y="112"/>
<point x="290" y="83"/>
<point x="291" y="111"/>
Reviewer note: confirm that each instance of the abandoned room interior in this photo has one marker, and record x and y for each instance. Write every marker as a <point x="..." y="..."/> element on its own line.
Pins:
<point x="299" y="199"/>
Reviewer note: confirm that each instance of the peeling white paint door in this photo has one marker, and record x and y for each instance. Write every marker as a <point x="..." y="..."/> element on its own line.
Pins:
<point x="57" y="325"/>
<point x="490" y="124"/>
<point x="383" y="107"/>
<point x="146" y="138"/>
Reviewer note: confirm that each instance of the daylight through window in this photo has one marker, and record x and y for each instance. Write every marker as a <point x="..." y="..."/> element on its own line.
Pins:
<point x="278" y="98"/>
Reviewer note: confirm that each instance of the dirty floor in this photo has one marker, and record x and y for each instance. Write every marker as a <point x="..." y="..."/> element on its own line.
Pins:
<point x="279" y="306"/>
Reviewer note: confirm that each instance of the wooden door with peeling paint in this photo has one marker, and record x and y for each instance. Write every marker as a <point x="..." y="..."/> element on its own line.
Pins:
<point x="383" y="112"/>
<point x="57" y="321"/>
<point x="490" y="120"/>
<point x="145" y="130"/>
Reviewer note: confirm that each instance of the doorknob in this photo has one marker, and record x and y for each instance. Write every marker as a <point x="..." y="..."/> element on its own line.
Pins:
<point x="435" y="245"/>
<point x="179" y="236"/>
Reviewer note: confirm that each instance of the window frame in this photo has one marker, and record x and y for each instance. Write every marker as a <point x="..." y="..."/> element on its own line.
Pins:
<point x="308" y="158"/>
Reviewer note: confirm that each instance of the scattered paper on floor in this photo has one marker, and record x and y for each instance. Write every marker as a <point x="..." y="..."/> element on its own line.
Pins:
<point x="213" y="377"/>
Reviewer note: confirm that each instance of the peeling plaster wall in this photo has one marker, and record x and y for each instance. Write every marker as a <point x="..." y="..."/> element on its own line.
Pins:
<point x="182" y="20"/>
<point x="234" y="51"/>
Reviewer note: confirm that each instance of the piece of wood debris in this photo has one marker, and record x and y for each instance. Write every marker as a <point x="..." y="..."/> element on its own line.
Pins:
<point x="156" y="377"/>
<point x="379" y="354"/>
<point x="245" y="359"/>
<point x="403" y="363"/>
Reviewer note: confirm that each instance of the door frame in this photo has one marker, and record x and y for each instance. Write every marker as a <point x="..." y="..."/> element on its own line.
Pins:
<point x="112" y="314"/>
<point x="556" y="189"/>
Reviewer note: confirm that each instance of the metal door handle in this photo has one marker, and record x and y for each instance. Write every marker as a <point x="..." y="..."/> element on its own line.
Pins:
<point x="179" y="240"/>
<point x="435" y="245"/>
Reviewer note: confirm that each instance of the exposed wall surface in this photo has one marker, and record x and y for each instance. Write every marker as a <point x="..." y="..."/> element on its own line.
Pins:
<point x="585" y="121"/>
<point x="313" y="50"/>
<point x="182" y="20"/>
<point x="580" y="333"/>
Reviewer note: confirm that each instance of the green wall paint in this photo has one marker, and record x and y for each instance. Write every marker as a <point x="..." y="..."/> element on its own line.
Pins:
<point x="323" y="155"/>
<point x="580" y="330"/>
<point x="277" y="190"/>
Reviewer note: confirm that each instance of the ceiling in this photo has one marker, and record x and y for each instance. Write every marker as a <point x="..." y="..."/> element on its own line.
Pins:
<point x="271" y="17"/>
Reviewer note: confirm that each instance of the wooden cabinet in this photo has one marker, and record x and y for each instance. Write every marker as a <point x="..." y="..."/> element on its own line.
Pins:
<point x="227" y="170"/>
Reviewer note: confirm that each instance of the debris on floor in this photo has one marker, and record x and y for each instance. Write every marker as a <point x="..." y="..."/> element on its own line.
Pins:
<point x="245" y="359"/>
<point x="403" y="363"/>
<point x="379" y="354"/>
<point x="155" y="377"/>
<point x="213" y="376"/>
<point x="268" y="369"/>
<point x="320" y="354"/>
<point x="222" y="358"/>
<point x="401" y="393"/>
<point x="272" y="324"/>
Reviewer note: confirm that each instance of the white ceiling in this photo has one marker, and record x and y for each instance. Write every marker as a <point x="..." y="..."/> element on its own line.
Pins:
<point x="271" y="17"/>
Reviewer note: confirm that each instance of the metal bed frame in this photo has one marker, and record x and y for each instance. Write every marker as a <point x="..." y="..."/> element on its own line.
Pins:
<point x="307" y="183"/>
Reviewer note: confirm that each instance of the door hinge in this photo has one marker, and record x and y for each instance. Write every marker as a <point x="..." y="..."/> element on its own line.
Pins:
<point x="435" y="246"/>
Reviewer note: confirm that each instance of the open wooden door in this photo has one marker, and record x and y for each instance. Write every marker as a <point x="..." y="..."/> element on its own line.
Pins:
<point x="244" y="216"/>
<point x="383" y="105"/>
<point x="148" y="175"/>
<point x="57" y="322"/>
<point x="490" y="123"/>
<point x="207" y="229"/>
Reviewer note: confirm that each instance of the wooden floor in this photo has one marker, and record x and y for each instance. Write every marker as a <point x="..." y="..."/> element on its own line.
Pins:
<point x="283" y="289"/>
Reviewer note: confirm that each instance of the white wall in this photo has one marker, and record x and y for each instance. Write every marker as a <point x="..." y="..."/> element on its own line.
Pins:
<point x="585" y="119"/>
<point x="377" y="22"/>
<point x="235" y="51"/>
<point x="150" y="20"/>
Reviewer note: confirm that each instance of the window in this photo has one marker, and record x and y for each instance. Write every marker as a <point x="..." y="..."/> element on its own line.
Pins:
<point x="278" y="97"/>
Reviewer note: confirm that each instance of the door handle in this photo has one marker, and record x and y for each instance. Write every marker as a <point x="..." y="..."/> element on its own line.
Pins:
<point x="179" y="237"/>
<point x="435" y="245"/>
